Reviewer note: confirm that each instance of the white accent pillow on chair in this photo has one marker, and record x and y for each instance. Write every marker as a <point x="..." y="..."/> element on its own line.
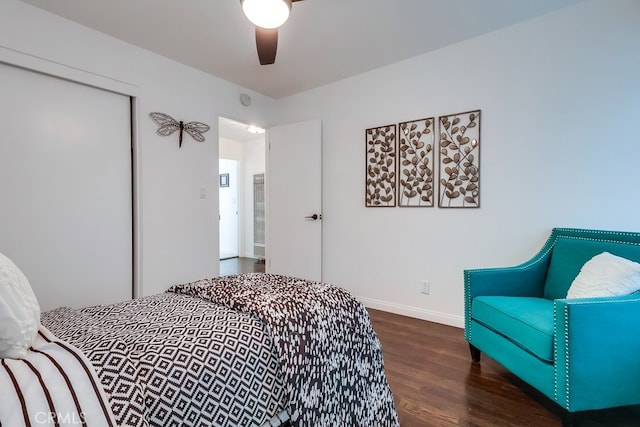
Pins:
<point x="19" y="311"/>
<point x="606" y="275"/>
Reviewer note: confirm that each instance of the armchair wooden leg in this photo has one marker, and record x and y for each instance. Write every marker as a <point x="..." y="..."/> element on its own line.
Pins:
<point x="569" y="419"/>
<point x="475" y="353"/>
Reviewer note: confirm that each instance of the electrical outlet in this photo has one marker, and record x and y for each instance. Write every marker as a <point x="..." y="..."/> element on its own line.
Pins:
<point x="425" y="287"/>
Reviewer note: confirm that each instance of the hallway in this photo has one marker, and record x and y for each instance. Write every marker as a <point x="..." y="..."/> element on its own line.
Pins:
<point x="237" y="265"/>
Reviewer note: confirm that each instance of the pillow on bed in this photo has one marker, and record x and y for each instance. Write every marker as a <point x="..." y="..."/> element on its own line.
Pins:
<point x="19" y="311"/>
<point x="606" y="275"/>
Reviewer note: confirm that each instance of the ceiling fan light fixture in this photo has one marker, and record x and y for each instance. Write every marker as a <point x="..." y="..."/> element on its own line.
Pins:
<point x="267" y="14"/>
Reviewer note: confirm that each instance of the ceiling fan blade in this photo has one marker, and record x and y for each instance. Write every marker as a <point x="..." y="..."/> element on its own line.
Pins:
<point x="267" y="44"/>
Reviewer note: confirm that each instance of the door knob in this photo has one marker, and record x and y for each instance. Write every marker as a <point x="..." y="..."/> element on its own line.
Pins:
<point x="313" y="217"/>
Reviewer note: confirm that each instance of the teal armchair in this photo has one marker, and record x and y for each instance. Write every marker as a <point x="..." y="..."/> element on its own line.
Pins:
<point x="584" y="354"/>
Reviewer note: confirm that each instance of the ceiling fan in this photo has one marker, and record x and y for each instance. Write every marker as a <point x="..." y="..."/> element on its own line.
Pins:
<point x="267" y="16"/>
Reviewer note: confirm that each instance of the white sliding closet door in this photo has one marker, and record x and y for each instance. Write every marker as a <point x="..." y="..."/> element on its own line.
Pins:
<point x="65" y="188"/>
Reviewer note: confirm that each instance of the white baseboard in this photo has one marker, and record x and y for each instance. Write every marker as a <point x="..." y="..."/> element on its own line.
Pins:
<point x="418" y="313"/>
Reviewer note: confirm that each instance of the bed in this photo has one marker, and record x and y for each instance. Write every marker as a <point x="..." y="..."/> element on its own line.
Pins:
<point x="246" y="350"/>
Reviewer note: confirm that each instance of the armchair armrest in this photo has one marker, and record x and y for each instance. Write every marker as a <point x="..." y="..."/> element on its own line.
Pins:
<point x="597" y="352"/>
<point x="525" y="280"/>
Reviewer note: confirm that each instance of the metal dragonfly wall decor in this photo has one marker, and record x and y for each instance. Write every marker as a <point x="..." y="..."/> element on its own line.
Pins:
<point x="169" y="125"/>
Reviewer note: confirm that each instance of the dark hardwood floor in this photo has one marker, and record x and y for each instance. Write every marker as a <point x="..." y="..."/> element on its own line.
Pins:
<point x="429" y="369"/>
<point x="237" y="265"/>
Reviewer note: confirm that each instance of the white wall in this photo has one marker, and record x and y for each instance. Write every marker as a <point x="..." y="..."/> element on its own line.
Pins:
<point x="229" y="209"/>
<point x="179" y="231"/>
<point x="560" y="97"/>
<point x="234" y="150"/>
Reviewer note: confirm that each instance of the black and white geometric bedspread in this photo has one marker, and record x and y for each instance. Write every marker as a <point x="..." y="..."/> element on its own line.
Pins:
<point x="175" y="360"/>
<point x="329" y="354"/>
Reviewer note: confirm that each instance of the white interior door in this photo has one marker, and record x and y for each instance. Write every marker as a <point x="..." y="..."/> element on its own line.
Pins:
<point x="229" y="187"/>
<point x="65" y="186"/>
<point x="294" y="196"/>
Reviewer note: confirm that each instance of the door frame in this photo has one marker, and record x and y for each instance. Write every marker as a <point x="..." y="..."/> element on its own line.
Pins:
<point x="248" y="163"/>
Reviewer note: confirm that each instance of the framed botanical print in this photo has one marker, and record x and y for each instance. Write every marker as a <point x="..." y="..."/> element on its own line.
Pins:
<point x="459" y="160"/>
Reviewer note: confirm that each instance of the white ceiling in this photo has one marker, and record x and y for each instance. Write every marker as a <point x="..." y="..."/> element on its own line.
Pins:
<point x="324" y="40"/>
<point x="236" y="131"/>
